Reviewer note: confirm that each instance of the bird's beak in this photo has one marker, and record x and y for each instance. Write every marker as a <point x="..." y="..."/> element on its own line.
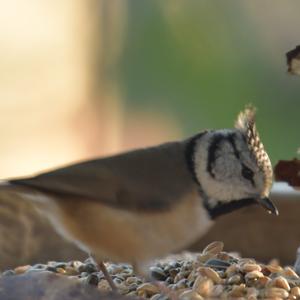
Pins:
<point x="267" y="204"/>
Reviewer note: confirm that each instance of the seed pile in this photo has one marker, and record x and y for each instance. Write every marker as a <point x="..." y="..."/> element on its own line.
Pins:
<point x="212" y="274"/>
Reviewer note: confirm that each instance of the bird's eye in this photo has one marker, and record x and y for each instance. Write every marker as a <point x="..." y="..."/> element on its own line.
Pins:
<point x="247" y="173"/>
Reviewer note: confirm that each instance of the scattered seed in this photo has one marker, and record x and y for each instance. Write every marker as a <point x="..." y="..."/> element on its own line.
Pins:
<point x="246" y="268"/>
<point x="253" y="275"/>
<point x="190" y="295"/>
<point x="211" y="274"/>
<point x="274" y="268"/>
<point x="289" y="272"/>
<point x="21" y="269"/>
<point x="202" y="258"/>
<point x="238" y="291"/>
<point x="281" y="282"/>
<point x="276" y="292"/>
<point x="61" y="271"/>
<point x="235" y="279"/>
<point x="217" y="264"/>
<point x="203" y="286"/>
<point x="295" y="291"/>
<point x="217" y="290"/>
<point x="214" y="248"/>
<point x="231" y="270"/>
<point x="224" y="256"/>
<point x="263" y="281"/>
<point x="148" y="289"/>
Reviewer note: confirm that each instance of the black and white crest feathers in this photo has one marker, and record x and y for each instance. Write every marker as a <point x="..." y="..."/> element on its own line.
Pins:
<point x="246" y="124"/>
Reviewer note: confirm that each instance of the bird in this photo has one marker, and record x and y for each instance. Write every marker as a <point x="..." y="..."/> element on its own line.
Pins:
<point x="143" y="204"/>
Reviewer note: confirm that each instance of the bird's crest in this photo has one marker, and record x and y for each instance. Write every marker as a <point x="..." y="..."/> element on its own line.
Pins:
<point x="246" y="124"/>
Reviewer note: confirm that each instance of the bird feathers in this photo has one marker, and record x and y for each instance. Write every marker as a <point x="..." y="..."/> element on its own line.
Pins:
<point x="150" y="179"/>
<point x="246" y="124"/>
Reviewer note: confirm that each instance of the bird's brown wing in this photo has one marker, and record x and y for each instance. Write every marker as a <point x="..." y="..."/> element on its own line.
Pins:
<point x="147" y="179"/>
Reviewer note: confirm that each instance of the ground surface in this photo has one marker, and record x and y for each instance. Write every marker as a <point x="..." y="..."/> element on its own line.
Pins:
<point x="211" y="274"/>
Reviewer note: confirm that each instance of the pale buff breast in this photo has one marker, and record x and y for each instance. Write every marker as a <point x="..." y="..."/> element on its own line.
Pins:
<point x="131" y="236"/>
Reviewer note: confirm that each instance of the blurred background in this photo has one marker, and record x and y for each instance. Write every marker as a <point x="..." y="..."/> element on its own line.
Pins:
<point x="80" y="79"/>
<point x="86" y="78"/>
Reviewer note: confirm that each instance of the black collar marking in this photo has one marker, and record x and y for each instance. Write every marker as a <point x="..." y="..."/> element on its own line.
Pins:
<point x="219" y="208"/>
<point x="225" y="208"/>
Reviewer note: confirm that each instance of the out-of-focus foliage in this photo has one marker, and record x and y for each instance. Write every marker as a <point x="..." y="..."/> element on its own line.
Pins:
<point x="202" y="61"/>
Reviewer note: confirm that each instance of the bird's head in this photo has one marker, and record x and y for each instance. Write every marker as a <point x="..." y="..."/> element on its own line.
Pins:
<point x="232" y="166"/>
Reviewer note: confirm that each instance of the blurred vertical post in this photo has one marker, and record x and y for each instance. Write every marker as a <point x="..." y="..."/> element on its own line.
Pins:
<point x="52" y="109"/>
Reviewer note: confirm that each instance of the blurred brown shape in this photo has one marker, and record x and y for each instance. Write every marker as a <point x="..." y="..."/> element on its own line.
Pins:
<point x="288" y="171"/>
<point x="293" y="61"/>
<point x="49" y="286"/>
<point x="254" y="233"/>
<point x="27" y="238"/>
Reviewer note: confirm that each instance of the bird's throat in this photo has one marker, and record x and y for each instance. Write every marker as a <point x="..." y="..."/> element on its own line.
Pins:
<point x="227" y="207"/>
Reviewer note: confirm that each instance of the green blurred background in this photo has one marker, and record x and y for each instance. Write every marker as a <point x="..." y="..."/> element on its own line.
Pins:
<point x="204" y="60"/>
<point x="146" y="72"/>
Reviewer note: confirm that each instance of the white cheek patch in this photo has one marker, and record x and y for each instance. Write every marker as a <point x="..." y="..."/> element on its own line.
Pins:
<point x="228" y="184"/>
<point x="226" y="167"/>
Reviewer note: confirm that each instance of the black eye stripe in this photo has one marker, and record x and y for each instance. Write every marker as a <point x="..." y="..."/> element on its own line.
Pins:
<point x="247" y="173"/>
